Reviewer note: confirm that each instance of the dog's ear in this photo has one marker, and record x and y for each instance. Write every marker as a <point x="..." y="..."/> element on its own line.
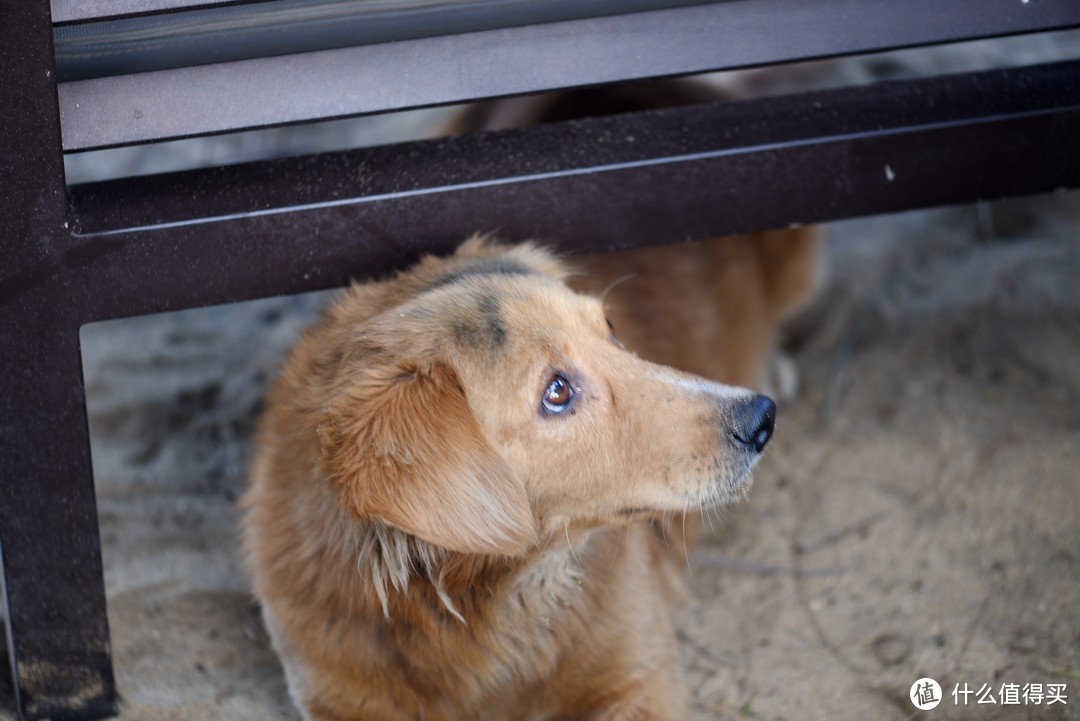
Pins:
<point x="404" y="447"/>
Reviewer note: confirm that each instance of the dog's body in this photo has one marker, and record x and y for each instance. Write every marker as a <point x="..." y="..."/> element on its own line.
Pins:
<point x="450" y="510"/>
<point x="430" y="541"/>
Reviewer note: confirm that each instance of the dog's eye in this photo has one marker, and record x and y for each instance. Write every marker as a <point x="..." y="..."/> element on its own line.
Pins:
<point x="558" y="395"/>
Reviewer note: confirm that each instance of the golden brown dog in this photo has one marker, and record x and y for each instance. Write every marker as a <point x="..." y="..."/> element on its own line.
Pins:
<point x="447" y="512"/>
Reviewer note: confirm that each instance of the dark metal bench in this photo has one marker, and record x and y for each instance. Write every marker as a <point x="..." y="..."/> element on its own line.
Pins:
<point x="73" y="255"/>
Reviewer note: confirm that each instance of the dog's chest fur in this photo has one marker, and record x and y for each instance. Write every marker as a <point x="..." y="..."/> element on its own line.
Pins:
<point x="531" y="619"/>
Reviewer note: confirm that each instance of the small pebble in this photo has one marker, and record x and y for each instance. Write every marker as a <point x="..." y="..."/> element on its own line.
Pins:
<point x="890" y="649"/>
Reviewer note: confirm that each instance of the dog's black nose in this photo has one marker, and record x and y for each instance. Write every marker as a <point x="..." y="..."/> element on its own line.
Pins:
<point x="753" y="422"/>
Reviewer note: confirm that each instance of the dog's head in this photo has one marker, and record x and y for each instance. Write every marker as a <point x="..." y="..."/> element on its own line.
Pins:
<point x="485" y="406"/>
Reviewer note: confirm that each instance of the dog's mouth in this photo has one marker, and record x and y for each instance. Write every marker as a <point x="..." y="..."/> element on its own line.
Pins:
<point x="729" y="487"/>
<point x="704" y="494"/>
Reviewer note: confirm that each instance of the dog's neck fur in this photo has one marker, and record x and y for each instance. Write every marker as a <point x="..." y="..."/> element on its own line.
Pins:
<point x="393" y="561"/>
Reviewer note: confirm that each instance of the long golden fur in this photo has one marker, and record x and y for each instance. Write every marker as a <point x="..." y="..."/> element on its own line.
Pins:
<point x="434" y="534"/>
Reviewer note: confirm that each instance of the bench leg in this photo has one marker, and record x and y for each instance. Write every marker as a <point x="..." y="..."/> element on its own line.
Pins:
<point x="50" y="556"/>
<point x="54" y="594"/>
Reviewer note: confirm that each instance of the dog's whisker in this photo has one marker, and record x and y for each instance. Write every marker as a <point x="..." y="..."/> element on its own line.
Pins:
<point x="706" y="512"/>
<point x="566" y="529"/>
<point x="685" y="545"/>
<point x="615" y="284"/>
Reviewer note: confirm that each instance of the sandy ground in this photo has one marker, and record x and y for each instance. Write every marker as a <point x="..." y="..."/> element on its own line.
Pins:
<point x="917" y="515"/>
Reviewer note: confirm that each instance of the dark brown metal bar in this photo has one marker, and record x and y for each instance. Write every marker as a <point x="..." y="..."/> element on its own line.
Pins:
<point x="459" y="68"/>
<point x="225" y="234"/>
<point x="58" y="638"/>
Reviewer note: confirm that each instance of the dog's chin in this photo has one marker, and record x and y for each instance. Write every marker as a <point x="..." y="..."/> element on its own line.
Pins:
<point x="730" y="489"/>
<point x="724" y="490"/>
<point x="738" y="490"/>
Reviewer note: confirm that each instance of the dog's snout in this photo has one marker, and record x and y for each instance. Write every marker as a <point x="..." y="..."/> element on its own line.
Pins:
<point x="752" y="426"/>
